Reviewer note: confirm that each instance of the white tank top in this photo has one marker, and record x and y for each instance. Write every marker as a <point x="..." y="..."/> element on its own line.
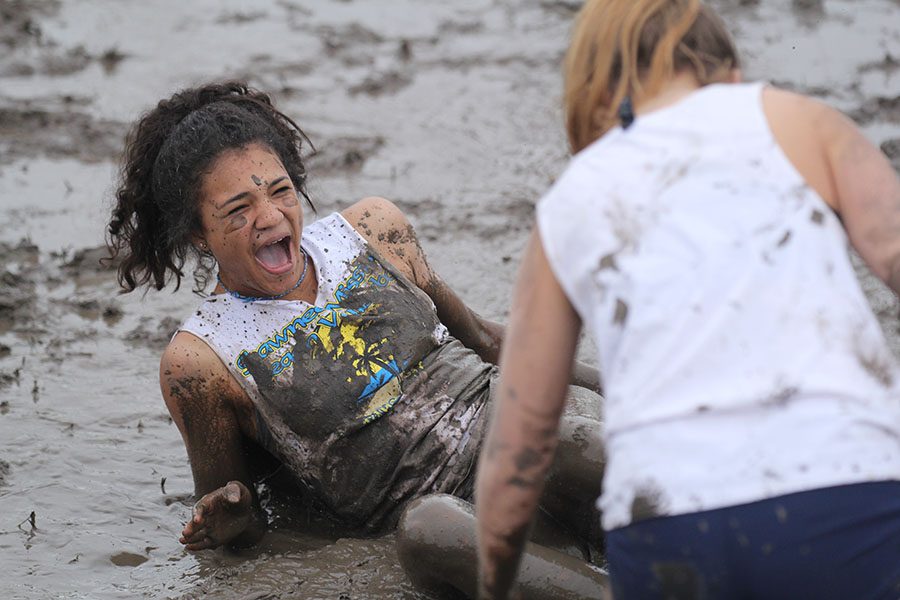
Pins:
<point x="740" y="357"/>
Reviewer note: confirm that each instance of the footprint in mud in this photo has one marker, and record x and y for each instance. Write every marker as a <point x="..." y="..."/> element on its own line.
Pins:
<point x="878" y="109"/>
<point x="17" y="288"/>
<point x="390" y="82"/>
<point x="127" y="559"/>
<point x="153" y="333"/>
<point x="56" y="130"/>
<point x="93" y="309"/>
<point x="343" y="155"/>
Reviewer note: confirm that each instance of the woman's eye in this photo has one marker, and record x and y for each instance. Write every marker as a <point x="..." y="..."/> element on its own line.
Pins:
<point x="235" y="210"/>
<point x="282" y="190"/>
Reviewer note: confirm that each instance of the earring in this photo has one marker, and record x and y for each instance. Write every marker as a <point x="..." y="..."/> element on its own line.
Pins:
<point x="202" y="246"/>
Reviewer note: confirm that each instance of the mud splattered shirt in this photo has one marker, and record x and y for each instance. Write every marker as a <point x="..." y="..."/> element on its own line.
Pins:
<point x="363" y="394"/>
<point x="741" y="359"/>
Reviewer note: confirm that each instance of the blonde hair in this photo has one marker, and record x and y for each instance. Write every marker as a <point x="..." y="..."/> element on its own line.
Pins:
<point x="630" y="48"/>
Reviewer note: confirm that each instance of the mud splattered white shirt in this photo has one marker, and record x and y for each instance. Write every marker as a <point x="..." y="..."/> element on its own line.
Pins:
<point x="741" y="359"/>
<point x="363" y="394"/>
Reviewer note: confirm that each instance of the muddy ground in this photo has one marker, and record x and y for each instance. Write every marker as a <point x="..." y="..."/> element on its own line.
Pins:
<point x="449" y="108"/>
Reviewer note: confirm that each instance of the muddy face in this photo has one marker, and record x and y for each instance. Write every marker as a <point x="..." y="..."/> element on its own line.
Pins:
<point x="252" y="222"/>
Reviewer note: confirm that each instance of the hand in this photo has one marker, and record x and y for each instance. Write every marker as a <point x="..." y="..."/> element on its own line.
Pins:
<point x="218" y="517"/>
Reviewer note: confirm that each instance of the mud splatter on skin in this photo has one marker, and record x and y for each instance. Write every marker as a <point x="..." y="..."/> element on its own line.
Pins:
<point x="502" y="578"/>
<point x="256" y="180"/>
<point x="527" y="459"/>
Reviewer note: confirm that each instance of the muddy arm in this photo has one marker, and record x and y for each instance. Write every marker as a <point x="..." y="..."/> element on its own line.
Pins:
<point x="868" y="196"/>
<point x="850" y="174"/>
<point x="201" y="397"/>
<point x="388" y="230"/>
<point x="523" y="436"/>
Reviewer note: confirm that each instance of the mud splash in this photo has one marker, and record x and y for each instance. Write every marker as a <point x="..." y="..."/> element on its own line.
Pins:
<point x="449" y="109"/>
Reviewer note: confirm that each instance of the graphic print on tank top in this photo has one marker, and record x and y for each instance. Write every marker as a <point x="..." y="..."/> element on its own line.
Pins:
<point x="361" y="345"/>
<point x="363" y="395"/>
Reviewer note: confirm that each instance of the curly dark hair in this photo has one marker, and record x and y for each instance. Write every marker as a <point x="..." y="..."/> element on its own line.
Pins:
<point x="167" y="153"/>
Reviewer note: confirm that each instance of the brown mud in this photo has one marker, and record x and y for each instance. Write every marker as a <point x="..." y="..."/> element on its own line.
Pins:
<point x="451" y="109"/>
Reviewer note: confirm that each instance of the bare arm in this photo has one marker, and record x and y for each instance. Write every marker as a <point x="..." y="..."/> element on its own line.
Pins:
<point x="388" y="230"/>
<point x="847" y="171"/>
<point x="868" y="197"/>
<point x="201" y="397"/>
<point x="519" y="449"/>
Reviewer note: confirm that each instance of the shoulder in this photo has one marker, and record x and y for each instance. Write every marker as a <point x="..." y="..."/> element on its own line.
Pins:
<point x="809" y="133"/>
<point x="375" y="215"/>
<point x="190" y="371"/>
<point x="803" y="109"/>
<point x="821" y="122"/>
<point x="385" y="228"/>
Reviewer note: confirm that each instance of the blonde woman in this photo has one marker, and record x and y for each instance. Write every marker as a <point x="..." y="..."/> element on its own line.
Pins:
<point x="752" y="406"/>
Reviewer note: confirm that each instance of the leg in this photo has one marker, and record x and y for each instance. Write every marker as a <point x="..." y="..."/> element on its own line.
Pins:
<point x="575" y="479"/>
<point x="437" y="548"/>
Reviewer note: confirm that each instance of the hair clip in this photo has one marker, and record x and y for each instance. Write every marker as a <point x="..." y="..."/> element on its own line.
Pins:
<point x="626" y="112"/>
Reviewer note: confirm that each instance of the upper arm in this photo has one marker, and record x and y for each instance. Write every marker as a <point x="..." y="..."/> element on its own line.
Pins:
<point x="201" y="397"/>
<point x="387" y="229"/>
<point x="847" y="171"/>
<point x="542" y="336"/>
<point x="868" y="195"/>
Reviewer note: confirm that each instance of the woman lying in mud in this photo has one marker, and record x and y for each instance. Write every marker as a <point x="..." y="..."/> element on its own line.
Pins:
<point x="752" y="406"/>
<point x="332" y="345"/>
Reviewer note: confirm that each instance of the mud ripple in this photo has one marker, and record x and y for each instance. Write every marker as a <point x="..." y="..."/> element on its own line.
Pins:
<point x="57" y="131"/>
<point x="382" y="83"/>
<point x="878" y="109"/>
<point x="343" y="154"/>
<point x="17" y="286"/>
<point x="153" y="333"/>
<point x="19" y="24"/>
<point x="891" y="148"/>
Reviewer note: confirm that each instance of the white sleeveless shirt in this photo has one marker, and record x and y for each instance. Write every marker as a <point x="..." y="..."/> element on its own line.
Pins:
<point x="740" y="357"/>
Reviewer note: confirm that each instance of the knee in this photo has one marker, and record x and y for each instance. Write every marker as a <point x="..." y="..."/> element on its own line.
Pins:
<point x="436" y="542"/>
<point x="432" y="523"/>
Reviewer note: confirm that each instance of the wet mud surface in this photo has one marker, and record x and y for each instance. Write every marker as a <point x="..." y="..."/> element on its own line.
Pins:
<point x="449" y="109"/>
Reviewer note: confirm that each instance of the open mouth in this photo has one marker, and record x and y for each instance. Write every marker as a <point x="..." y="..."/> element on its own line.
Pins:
<point x="277" y="257"/>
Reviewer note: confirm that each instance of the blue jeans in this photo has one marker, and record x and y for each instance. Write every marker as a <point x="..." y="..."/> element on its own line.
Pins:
<point x="840" y="542"/>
